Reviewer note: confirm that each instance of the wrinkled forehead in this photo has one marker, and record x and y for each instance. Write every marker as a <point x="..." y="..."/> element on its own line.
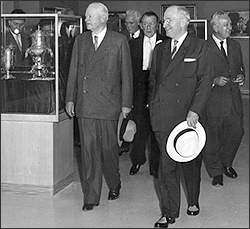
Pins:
<point x="131" y="18"/>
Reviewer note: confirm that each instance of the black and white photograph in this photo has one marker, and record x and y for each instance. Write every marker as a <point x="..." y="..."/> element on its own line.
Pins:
<point x="124" y="114"/>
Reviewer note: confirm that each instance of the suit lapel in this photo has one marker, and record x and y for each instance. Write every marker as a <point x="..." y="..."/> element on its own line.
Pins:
<point x="230" y="49"/>
<point x="93" y="55"/>
<point x="216" y="49"/>
<point x="163" y="65"/>
<point x="178" y="56"/>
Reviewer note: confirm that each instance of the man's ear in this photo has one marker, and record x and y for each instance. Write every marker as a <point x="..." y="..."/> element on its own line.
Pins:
<point x="215" y="28"/>
<point x="140" y="25"/>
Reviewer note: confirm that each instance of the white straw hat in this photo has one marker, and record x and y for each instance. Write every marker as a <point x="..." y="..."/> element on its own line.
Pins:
<point x="185" y="143"/>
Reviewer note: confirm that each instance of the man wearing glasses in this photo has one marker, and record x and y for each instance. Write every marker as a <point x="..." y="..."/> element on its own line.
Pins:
<point x="132" y="23"/>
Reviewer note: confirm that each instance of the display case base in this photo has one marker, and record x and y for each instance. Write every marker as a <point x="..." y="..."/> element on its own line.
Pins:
<point x="36" y="157"/>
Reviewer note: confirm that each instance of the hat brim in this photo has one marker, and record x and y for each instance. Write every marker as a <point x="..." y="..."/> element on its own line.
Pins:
<point x="118" y="129"/>
<point x="170" y="142"/>
<point x="127" y="127"/>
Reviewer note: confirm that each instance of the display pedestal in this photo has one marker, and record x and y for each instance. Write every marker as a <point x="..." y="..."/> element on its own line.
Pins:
<point x="36" y="157"/>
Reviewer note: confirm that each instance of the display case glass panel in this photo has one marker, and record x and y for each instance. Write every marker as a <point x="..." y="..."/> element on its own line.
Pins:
<point x="35" y="58"/>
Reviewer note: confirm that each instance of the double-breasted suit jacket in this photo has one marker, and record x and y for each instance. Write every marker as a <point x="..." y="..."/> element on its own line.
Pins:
<point x="179" y="85"/>
<point x="100" y="82"/>
<point x="19" y="55"/>
<point x="223" y="98"/>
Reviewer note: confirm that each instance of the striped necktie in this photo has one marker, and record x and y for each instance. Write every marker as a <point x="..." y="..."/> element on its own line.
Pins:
<point x="174" y="49"/>
<point x="96" y="42"/>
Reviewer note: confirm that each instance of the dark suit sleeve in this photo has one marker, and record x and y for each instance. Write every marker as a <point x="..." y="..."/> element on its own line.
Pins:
<point x="204" y="81"/>
<point x="126" y="74"/>
<point x="72" y="78"/>
<point x="241" y="69"/>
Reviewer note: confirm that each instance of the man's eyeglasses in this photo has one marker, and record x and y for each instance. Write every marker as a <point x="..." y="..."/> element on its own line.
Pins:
<point x="151" y="24"/>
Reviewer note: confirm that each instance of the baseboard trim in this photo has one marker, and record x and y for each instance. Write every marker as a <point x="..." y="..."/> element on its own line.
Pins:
<point x="26" y="189"/>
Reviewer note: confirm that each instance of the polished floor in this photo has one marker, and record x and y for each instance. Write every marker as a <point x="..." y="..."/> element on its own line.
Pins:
<point x="137" y="207"/>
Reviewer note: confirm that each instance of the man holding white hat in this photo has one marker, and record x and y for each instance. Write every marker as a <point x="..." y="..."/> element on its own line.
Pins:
<point x="179" y="85"/>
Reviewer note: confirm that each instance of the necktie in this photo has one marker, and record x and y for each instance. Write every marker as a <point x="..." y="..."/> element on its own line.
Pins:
<point x="174" y="49"/>
<point x="148" y="54"/>
<point x="96" y="42"/>
<point x="18" y="42"/>
<point x="223" y="50"/>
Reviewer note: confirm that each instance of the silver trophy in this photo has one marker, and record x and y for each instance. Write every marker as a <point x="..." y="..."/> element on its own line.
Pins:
<point x="38" y="50"/>
<point x="7" y="61"/>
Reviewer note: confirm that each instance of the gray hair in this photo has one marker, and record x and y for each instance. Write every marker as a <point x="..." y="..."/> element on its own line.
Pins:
<point x="215" y="17"/>
<point x="135" y="13"/>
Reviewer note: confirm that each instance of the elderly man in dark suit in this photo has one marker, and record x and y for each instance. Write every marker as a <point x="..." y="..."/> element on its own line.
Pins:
<point x="100" y="87"/>
<point x="224" y="111"/>
<point x="179" y="83"/>
<point x="141" y="53"/>
<point x="18" y="39"/>
<point x="132" y="24"/>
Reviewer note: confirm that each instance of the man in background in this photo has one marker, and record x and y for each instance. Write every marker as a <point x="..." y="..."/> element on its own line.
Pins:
<point x="18" y="39"/>
<point x="141" y="50"/>
<point x="132" y="23"/>
<point x="224" y="110"/>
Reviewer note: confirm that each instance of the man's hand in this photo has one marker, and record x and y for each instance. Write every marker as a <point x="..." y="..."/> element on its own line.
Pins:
<point x="192" y="119"/>
<point x="125" y="111"/>
<point x="221" y="81"/>
<point x="70" y="109"/>
<point x="239" y="79"/>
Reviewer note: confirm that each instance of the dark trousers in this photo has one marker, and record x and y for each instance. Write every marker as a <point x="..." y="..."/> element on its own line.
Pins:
<point x="144" y="134"/>
<point x="99" y="157"/>
<point x="143" y="127"/>
<point x="167" y="185"/>
<point x="224" y="135"/>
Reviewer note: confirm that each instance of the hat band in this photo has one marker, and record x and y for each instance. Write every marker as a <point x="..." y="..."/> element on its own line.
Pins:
<point x="179" y="135"/>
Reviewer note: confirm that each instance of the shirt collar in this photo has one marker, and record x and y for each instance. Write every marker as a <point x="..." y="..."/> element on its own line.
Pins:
<point x="100" y="35"/>
<point x="217" y="41"/>
<point x="152" y="39"/>
<point x="136" y="34"/>
<point x="180" y="40"/>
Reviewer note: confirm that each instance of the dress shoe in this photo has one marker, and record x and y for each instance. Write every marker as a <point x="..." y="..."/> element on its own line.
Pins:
<point x="134" y="169"/>
<point x="113" y="195"/>
<point x="164" y="221"/>
<point x="217" y="180"/>
<point x="230" y="172"/>
<point x="193" y="210"/>
<point x="88" y="207"/>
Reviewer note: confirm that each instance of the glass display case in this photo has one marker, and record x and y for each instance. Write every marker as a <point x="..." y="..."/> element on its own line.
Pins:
<point x="36" y="133"/>
<point x="35" y="59"/>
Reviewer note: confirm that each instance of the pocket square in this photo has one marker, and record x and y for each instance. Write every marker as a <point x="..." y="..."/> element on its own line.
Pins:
<point x="189" y="59"/>
<point x="158" y="42"/>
